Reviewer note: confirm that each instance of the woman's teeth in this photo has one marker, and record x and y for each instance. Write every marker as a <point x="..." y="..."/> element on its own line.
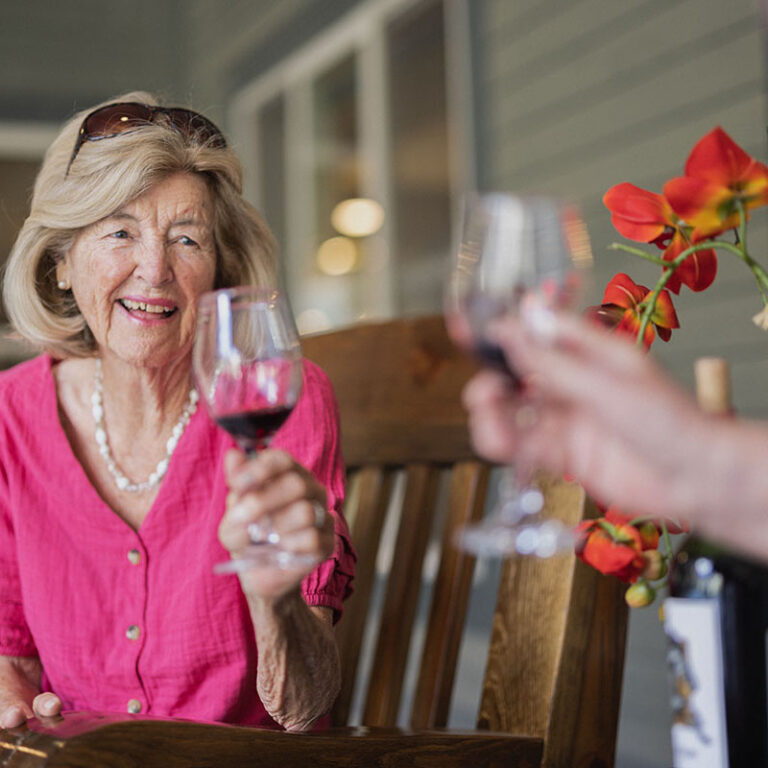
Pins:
<point x="153" y="309"/>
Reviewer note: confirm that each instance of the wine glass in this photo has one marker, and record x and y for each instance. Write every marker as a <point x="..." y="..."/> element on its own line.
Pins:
<point x="513" y="249"/>
<point x="248" y="369"/>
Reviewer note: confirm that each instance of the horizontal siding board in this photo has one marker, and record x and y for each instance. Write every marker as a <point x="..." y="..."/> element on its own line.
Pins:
<point x="503" y="20"/>
<point x="615" y="124"/>
<point x="510" y="23"/>
<point x="578" y="87"/>
<point x="650" y="150"/>
<point x="584" y="30"/>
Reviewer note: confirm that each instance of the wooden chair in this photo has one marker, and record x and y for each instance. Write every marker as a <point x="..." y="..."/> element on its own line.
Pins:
<point x="551" y="691"/>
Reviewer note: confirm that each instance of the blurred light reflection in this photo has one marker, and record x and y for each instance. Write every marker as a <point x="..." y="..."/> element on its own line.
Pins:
<point x="337" y="256"/>
<point x="357" y="217"/>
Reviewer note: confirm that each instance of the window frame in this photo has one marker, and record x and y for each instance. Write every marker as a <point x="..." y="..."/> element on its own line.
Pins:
<point x="361" y="33"/>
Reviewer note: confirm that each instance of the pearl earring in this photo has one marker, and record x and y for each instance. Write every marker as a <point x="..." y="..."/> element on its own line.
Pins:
<point x="63" y="285"/>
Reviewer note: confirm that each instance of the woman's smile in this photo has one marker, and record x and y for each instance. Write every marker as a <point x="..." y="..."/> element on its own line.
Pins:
<point x="148" y="311"/>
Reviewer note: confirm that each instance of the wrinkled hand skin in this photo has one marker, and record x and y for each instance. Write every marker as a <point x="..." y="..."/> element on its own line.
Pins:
<point x="20" y="695"/>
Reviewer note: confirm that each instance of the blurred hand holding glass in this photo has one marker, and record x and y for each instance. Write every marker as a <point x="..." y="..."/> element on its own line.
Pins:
<point x="513" y="249"/>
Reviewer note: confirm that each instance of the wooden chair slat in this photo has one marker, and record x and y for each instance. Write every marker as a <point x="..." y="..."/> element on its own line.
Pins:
<point x="592" y="686"/>
<point x="529" y="628"/>
<point x="468" y="488"/>
<point x="368" y="497"/>
<point x="401" y="598"/>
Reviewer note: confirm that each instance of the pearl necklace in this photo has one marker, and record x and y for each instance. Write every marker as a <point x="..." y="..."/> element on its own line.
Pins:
<point x="122" y="482"/>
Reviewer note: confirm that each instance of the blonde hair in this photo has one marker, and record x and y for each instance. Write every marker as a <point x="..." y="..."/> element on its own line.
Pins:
<point x="105" y="176"/>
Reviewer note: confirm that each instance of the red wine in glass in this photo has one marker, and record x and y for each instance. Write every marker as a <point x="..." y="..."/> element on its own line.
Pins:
<point x="248" y="367"/>
<point x="254" y="428"/>
<point x="468" y="315"/>
<point x="491" y="355"/>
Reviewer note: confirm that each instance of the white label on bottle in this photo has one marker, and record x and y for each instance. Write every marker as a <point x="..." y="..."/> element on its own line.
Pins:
<point x="695" y="660"/>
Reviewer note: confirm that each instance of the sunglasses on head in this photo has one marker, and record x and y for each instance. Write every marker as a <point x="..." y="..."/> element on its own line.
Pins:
<point x="123" y="117"/>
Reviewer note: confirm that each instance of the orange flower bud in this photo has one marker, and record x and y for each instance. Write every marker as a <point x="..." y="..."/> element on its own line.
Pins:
<point x="640" y="594"/>
<point x="655" y="565"/>
<point x="649" y="535"/>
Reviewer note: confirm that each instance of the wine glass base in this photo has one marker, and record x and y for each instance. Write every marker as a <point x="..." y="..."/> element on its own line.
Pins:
<point x="265" y="556"/>
<point x="493" y="538"/>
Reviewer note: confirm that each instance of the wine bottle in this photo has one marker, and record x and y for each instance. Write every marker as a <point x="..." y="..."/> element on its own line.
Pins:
<point x="716" y="620"/>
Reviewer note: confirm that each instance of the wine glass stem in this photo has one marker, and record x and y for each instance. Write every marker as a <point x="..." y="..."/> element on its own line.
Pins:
<point x="518" y="495"/>
<point x="251" y="447"/>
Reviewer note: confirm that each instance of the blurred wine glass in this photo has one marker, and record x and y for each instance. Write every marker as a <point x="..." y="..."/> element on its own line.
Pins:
<point x="513" y="249"/>
<point x="248" y="368"/>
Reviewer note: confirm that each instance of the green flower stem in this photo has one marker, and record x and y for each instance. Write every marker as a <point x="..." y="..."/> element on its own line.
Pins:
<point x="740" y="250"/>
<point x="665" y="538"/>
<point x="742" y="229"/>
<point x="666" y="555"/>
<point x="761" y="277"/>
<point x="638" y="252"/>
<point x="650" y="306"/>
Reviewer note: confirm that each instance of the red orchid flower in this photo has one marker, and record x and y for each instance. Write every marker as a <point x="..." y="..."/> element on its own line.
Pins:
<point x="646" y="217"/>
<point x="623" y="305"/>
<point x="611" y="549"/>
<point x="718" y="174"/>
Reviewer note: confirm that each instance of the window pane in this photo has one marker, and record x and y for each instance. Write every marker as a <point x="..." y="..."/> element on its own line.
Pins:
<point x="336" y="142"/>
<point x="420" y="167"/>
<point x="338" y="262"/>
<point x="272" y="167"/>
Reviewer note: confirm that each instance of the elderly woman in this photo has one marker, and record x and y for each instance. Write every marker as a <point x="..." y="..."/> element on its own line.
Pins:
<point x="107" y="596"/>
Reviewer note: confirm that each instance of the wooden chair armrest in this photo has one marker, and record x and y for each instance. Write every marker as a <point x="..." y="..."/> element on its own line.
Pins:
<point x="89" y="739"/>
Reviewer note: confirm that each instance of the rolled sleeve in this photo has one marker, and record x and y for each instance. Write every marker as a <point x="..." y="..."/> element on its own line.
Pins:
<point x="316" y="442"/>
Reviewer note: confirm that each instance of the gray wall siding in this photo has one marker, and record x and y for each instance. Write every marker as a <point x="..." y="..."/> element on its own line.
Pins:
<point x="232" y="43"/>
<point x="226" y="34"/>
<point x="58" y="57"/>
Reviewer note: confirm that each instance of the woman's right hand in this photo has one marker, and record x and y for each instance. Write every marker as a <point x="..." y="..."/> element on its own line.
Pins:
<point x="20" y="696"/>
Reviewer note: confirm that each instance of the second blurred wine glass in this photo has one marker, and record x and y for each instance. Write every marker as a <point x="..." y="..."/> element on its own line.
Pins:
<point x="513" y="248"/>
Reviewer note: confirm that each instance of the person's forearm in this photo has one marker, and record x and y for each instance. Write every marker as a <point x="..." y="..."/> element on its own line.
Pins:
<point x="299" y="672"/>
<point x="732" y="498"/>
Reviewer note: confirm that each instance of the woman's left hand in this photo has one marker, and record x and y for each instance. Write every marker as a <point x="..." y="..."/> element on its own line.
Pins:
<point x="273" y="491"/>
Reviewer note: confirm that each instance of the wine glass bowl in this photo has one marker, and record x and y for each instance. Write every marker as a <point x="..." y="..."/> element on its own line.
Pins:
<point x="248" y="369"/>
<point x="513" y="249"/>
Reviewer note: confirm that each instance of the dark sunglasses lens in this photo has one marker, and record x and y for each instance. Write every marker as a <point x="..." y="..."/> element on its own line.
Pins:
<point x="194" y="125"/>
<point x="116" y="118"/>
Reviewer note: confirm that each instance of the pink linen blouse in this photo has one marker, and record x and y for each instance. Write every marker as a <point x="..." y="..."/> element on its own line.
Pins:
<point x="126" y="620"/>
